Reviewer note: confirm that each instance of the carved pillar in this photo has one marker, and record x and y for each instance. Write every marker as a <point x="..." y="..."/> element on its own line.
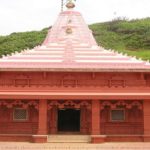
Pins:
<point x="146" y="113"/>
<point x="42" y="128"/>
<point x="53" y="120"/>
<point x="83" y="120"/>
<point x="95" y="117"/>
<point x="89" y="114"/>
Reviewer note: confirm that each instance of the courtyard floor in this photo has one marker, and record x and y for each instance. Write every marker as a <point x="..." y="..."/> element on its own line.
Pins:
<point x="77" y="146"/>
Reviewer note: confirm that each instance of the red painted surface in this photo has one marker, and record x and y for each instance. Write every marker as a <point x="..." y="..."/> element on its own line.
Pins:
<point x="95" y="113"/>
<point x="146" y="110"/>
<point x="39" y="139"/>
<point x="125" y="138"/>
<point x="9" y="126"/>
<point x="95" y="117"/>
<point x="98" y="139"/>
<point x="132" y="125"/>
<point x="16" y="138"/>
<point x="42" y="126"/>
<point x="96" y="120"/>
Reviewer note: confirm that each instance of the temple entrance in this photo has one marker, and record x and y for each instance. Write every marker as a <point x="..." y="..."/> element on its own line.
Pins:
<point x="69" y="120"/>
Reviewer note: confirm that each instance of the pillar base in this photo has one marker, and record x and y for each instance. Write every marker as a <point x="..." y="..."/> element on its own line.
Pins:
<point x="146" y="138"/>
<point x="39" y="138"/>
<point x="98" y="139"/>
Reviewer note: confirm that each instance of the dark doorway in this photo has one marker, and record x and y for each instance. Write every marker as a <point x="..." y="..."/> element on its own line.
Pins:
<point x="69" y="120"/>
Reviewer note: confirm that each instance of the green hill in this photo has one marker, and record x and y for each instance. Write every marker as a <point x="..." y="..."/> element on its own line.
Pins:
<point x="131" y="37"/>
<point x="19" y="41"/>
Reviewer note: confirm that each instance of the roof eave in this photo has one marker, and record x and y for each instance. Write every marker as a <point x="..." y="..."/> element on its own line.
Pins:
<point x="73" y="70"/>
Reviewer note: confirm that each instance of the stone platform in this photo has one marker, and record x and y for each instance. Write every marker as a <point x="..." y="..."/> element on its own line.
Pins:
<point x="68" y="146"/>
<point x="69" y="139"/>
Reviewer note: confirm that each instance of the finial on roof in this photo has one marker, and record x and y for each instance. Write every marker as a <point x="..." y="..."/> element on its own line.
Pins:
<point x="69" y="30"/>
<point x="70" y="4"/>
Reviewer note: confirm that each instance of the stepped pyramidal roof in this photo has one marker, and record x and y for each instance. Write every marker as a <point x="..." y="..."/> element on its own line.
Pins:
<point x="70" y="46"/>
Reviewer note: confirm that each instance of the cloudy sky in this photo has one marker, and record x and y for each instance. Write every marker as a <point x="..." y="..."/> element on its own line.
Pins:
<point x="27" y="15"/>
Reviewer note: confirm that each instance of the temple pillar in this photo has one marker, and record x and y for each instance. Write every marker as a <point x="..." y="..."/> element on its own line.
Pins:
<point x="53" y="121"/>
<point x="83" y="120"/>
<point x="146" y="114"/>
<point x="95" y="129"/>
<point x="95" y="117"/>
<point x="41" y="136"/>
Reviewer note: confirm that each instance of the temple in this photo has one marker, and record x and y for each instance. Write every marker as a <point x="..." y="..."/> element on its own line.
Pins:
<point x="71" y="86"/>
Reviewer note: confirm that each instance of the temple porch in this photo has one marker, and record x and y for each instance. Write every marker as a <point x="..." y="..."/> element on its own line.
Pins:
<point x="33" y="120"/>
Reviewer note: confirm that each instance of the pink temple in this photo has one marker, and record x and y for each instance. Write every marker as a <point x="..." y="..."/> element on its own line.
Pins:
<point x="69" y="89"/>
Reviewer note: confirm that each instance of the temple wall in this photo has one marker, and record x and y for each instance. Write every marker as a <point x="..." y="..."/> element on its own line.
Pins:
<point x="95" y="118"/>
<point x="133" y="124"/>
<point x="146" y="121"/>
<point x="81" y="80"/>
<point x="10" y="126"/>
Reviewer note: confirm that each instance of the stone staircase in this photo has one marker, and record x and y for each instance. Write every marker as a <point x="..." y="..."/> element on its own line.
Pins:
<point x="69" y="139"/>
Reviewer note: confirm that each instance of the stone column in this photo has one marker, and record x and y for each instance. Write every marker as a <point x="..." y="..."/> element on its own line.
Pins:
<point x="95" y="117"/>
<point x="41" y="136"/>
<point x="146" y="114"/>
<point x="83" y="120"/>
<point x="96" y="129"/>
<point x="53" y="121"/>
<point x="42" y="128"/>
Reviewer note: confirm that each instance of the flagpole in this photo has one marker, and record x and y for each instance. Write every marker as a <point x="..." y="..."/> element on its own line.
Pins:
<point x="62" y="5"/>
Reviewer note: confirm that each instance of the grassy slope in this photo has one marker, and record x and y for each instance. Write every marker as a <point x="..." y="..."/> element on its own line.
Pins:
<point x="131" y="37"/>
<point x="19" y="41"/>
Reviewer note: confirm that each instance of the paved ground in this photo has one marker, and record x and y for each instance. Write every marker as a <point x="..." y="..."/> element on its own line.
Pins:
<point x="79" y="146"/>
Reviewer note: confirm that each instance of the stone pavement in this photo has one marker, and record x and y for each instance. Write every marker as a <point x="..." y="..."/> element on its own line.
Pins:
<point x="78" y="146"/>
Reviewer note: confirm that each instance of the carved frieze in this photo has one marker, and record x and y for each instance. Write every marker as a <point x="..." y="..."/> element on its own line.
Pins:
<point x="122" y="104"/>
<point x="64" y="104"/>
<point x="117" y="81"/>
<point x="19" y="103"/>
<point x="72" y="80"/>
<point x="22" y="80"/>
<point x="69" y="81"/>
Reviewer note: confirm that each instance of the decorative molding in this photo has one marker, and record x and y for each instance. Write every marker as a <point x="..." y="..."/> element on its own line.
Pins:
<point x="121" y="103"/>
<point x="72" y="80"/>
<point x="22" y="80"/>
<point x="69" y="81"/>
<point x="117" y="81"/>
<point x="69" y="104"/>
<point x="19" y="103"/>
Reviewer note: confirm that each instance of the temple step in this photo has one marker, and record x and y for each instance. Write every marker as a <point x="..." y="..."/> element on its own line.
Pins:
<point x="69" y="139"/>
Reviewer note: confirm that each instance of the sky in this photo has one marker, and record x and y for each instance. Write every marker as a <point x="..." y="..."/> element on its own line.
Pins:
<point x="28" y="15"/>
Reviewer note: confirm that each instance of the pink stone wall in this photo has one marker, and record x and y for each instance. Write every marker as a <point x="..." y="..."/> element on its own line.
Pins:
<point x="9" y="126"/>
<point x="44" y="80"/>
<point x="133" y="124"/>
